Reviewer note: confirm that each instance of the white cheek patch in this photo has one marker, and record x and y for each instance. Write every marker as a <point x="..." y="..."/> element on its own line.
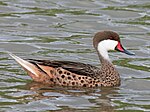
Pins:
<point x="106" y="45"/>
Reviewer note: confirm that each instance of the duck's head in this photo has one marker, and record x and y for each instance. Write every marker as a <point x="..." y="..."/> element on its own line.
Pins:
<point x="108" y="40"/>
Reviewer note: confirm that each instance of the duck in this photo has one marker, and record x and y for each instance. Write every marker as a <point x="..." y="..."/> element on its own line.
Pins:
<point x="77" y="74"/>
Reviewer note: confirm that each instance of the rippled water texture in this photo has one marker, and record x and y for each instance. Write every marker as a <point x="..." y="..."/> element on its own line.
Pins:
<point x="63" y="30"/>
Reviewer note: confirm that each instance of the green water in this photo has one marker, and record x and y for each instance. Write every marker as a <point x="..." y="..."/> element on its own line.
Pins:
<point x="63" y="30"/>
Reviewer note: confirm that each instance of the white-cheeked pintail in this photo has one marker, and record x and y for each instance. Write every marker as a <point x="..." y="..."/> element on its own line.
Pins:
<point x="67" y="73"/>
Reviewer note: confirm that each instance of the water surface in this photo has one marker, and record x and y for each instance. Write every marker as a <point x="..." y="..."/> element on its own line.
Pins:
<point x="63" y="30"/>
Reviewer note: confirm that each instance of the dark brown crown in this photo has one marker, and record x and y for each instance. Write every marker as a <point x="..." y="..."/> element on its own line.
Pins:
<point x="104" y="35"/>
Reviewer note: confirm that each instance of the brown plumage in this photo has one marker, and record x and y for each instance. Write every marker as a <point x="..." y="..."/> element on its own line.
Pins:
<point x="67" y="73"/>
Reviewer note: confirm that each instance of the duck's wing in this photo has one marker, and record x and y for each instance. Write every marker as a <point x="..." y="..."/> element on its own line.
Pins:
<point x="74" y="67"/>
<point x="59" y="72"/>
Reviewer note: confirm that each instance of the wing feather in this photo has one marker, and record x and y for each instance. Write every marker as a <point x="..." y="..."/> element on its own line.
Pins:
<point x="74" y="67"/>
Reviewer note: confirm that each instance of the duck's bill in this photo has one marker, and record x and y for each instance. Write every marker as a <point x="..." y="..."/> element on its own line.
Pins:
<point x="121" y="49"/>
<point x="127" y="52"/>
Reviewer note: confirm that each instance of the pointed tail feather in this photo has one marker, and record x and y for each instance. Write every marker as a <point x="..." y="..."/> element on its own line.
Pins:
<point x="25" y="64"/>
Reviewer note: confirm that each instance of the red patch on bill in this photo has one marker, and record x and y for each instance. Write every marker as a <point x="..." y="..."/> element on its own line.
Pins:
<point x="119" y="47"/>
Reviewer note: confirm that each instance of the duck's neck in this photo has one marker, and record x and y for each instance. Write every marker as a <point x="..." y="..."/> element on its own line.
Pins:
<point x="106" y="64"/>
<point x="109" y="72"/>
<point x="103" y="55"/>
<point x="104" y="60"/>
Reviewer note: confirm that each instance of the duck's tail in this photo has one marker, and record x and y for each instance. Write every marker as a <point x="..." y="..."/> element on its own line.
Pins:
<point x="34" y="70"/>
<point x="25" y="64"/>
